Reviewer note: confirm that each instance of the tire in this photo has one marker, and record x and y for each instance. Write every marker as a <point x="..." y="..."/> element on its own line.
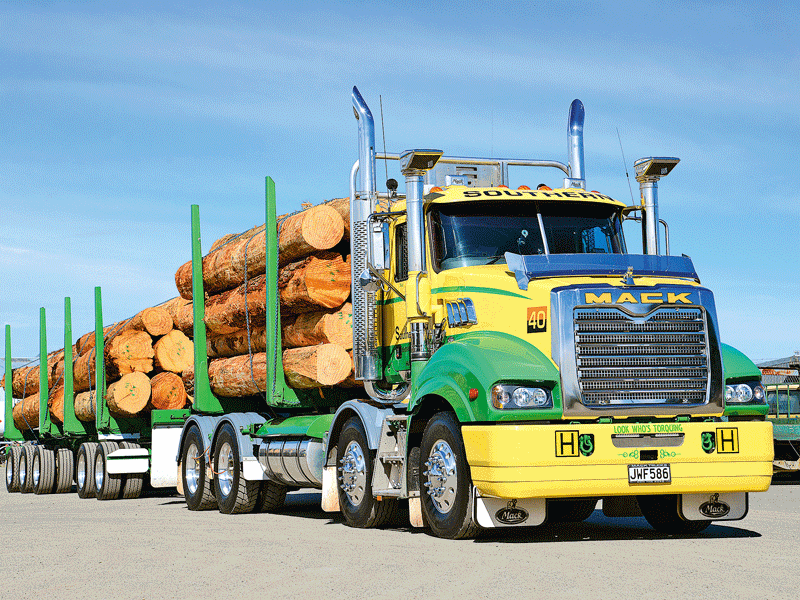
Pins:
<point x="359" y="507"/>
<point x="662" y="514"/>
<point x="132" y="483"/>
<point x="108" y="486"/>
<point x="446" y="484"/>
<point x="271" y="496"/>
<point x="12" y="469"/>
<point x="44" y="470"/>
<point x="25" y="469"/>
<point x="65" y="468"/>
<point x="84" y="470"/>
<point x="570" y="511"/>
<point x="197" y="490"/>
<point x="234" y="493"/>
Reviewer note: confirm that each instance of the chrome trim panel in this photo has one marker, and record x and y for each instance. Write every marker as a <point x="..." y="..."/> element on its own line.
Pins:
<point x="637" y="359"/>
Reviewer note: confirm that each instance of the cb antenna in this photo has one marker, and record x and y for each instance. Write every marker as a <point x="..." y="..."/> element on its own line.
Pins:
<point x="383" y="133"/>
<point x="624" y="165"/>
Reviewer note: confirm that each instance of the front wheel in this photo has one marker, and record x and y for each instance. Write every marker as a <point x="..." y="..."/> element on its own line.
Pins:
<point x="662" y="514"/>
<point x="446" y="489"/>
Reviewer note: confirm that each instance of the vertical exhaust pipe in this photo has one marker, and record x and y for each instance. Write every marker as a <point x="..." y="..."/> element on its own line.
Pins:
<point x="577" y="178"/>
<point x="365" y="353"/>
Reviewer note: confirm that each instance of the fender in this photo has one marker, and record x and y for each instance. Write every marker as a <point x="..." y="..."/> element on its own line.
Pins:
<point x="736" y="366"/>
<point x="478" y="361"/>
<point x="372" y="418"/>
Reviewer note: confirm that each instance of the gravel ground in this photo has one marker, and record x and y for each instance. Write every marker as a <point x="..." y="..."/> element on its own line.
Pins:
<point x="153" y="547"/>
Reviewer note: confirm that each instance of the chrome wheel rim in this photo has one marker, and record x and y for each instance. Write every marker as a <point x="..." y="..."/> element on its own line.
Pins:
<point x="9" y="470"/>
<point x="225" y="466"/>
<point x="81" y="471"/>
<point x="441" y="478"/>
<point x="23" y="468"/>
<point x="99" y="471"/>
<point x="354" y="473"/>
<point x="35" y="470"/>
<point x="192" y="469"/>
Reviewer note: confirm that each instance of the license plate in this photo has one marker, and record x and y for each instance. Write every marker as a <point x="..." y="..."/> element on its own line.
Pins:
<point x="649" y="474"/>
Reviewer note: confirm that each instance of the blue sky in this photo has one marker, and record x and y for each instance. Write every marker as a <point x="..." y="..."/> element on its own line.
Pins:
<point x="116" y="117"/>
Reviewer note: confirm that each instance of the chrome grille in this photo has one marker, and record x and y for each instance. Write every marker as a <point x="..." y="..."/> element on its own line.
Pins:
<point x="660" y="358"/>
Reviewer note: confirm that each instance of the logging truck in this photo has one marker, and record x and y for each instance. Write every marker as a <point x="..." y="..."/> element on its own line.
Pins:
<point x="510" y="362"/>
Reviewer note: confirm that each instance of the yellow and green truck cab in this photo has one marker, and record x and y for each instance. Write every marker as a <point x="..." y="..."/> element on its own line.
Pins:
<point x="539" y="366"/>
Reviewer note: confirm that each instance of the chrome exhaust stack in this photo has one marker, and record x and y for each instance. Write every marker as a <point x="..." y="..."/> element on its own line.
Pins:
<point x="577" y="178"/>
<point x="365" y="353"/>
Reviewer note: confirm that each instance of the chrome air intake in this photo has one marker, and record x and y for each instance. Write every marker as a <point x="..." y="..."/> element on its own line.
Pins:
<point x="365" y="353"/>
<point x="293" y="462"/>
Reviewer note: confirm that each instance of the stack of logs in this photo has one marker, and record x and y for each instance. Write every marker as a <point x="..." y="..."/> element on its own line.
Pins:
<point x="149" y="357"/>
<point x="314" y="288"/>
<point x="144" y="357"/>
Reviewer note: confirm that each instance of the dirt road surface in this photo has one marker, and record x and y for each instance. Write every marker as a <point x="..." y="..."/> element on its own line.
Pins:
<point x="64" y="547"/>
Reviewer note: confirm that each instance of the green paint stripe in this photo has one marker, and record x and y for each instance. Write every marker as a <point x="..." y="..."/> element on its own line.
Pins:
<point x="389" y="301"/>
<point x="480" y="290"/>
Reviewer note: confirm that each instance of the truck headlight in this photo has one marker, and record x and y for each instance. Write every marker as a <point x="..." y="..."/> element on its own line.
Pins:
<point x="742" y="393"/>
<point x="515" y="396"/>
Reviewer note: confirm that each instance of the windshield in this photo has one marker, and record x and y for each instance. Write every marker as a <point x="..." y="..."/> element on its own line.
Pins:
<point x="480" y="233"/>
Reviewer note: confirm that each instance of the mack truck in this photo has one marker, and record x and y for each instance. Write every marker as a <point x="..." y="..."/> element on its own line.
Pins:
<point x="518" y="364"/>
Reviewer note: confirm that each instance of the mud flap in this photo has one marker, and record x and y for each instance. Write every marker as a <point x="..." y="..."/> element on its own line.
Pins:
<point x="731" y="506"/>
<point x="501" y="512"/>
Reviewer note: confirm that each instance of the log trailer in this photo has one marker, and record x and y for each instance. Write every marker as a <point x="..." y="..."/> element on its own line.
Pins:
<point x="518" y="365"/>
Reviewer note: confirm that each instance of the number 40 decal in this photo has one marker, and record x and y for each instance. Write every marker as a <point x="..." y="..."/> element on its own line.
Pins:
<point x="537" y="319"/>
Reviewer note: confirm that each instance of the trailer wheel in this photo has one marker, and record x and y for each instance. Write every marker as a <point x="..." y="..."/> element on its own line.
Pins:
<point x="108" y="486"/>
<point x="197" y="489"/>
<point x="271" y="496"/>
<point x="84" y="470"/>
<point x="662" y="514"/>
<point x="570" y="511"/>
<point x="446" y="490"/>
<point x="132" y="483"/>
<point x="25" y="464"/>
<point x="234" y="493"/>
<point x="64" y="470"/>
<point x="12" y="469"/>
<point x="359" y="507"/>
<point x="44" y="470"/>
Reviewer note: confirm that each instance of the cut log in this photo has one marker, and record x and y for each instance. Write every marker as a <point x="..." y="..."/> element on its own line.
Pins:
<point x="342" y="206"/>
<point x="316" y="366"/>
<point x="25" y="380"/>
<point x="55" y="403"/>
<point x="167" y="392"/>
<point x="174" y="352"/>
<point x="315" y="282"/>
<point x="85" y="407"/>
<point x="188" y="380"/>
<point x="128" y="396"/>
<point x="83" y="371"/>
<point x="228" y="312"/>
<point x="320" y="327"/>
<point x="180" y="310"/>
<point x="234" y="344"/>
<point x="155" y="320"/>
<point x="26" y="413"/>
<point x="318" y="228"/>
<point x="233" y="377"/>
<point x="128" y="352"/>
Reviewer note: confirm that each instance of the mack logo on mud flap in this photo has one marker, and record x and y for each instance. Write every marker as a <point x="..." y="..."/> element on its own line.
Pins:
<point x="714" y="508"/>
<point x="638" y="298"/>
<point x="511" y="514"/>
<point x="537" y="319"/>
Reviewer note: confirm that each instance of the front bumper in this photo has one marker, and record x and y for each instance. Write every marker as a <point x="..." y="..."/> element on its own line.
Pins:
<point x="573" y="460"/>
